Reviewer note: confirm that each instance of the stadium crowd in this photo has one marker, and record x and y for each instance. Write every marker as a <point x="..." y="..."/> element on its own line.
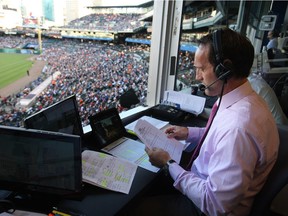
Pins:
<point x="97" y="73"/>
<point x="15" y="42"/>
<point x="107" y="22"/>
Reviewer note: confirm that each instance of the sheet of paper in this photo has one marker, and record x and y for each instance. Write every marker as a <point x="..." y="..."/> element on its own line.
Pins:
<point x="156" y="122"/>
<point x="153" y="137"/>
<point x="135" y="152"/>
<point x="107" y="171"/>
<point x="187" y="102"/>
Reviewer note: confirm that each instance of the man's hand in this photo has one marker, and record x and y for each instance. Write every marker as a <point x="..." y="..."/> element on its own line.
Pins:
<point x="177" y="132"/>
<point x="157" y="157"/>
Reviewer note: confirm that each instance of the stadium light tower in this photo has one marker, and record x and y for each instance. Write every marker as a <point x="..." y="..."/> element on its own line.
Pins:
<point x="39" y="35"/>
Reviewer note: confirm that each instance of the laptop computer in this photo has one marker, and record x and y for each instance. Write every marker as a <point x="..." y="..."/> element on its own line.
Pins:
<point x="62" y="116"/>
<point x="112" y="137"/>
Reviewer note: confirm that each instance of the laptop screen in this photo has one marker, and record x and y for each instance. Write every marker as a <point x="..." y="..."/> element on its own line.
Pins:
<point x="107" y="126"/>
<point x="60" y="117"/>
<point x="40" y="161"/>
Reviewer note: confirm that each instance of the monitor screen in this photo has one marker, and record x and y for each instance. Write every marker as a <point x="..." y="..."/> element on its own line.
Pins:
<point x="107" y="126"/>
<point x="40" y="161"/>
<point x="60" y="117"/>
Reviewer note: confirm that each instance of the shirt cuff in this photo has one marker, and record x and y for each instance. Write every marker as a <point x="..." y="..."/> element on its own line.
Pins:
<point x="175" y="170"/>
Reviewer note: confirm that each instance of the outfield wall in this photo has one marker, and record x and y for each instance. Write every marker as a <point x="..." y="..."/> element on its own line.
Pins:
<point x="22" y="51"/>
<point x="30" y="99"/>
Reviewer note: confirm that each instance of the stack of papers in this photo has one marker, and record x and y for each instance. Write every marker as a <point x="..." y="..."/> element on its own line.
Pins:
<point x="187" y="102"/>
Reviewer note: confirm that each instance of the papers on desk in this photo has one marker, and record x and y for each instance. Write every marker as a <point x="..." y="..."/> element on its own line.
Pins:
<point x="133" y="151"/>
<point x="137" y="152"/>
<point x="187" y="102"/>
<point x="107" y="171"/>
<point x="156" y="122"/>
<point x="153" y="137"/>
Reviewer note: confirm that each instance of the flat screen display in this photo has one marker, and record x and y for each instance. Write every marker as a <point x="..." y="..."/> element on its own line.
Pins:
<point x="40" y="161"/>
<point x="60" y="117"/>
<point x="107" y="126"/>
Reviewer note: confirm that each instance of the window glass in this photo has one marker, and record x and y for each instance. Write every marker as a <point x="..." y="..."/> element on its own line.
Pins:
<point x="100" y="53"/>
<point x="201" y="17"/>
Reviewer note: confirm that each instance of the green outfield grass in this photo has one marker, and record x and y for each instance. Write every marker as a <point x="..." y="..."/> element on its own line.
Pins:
<point x="13" y="67"/>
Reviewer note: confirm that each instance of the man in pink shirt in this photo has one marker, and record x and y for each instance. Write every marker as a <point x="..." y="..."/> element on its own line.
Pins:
<point x="240" y="147"/>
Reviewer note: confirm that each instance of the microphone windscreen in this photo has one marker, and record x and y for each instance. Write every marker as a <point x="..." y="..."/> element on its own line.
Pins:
<point x="201" y="87"/>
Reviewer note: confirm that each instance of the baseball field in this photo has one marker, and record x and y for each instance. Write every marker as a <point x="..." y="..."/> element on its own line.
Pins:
<point x="13" y="67"/>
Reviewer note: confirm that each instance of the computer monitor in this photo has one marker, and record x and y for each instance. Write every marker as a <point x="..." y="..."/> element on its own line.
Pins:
<point x="34" y="161"/>
<point x="62" y="117"/>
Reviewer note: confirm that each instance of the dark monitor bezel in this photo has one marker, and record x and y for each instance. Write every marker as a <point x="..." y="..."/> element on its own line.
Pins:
<point x="34" y="188"/>
<point x="32" y="121"/>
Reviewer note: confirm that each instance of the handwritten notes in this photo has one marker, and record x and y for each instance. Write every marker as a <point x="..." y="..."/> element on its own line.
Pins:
<point x="153" y="137"/>
<point x="108" y="172"/>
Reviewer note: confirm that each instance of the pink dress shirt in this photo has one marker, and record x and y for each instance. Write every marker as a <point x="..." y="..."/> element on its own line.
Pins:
<point x="238" y="153"/>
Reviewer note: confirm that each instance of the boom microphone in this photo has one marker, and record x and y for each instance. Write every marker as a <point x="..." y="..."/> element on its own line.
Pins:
<point x="203" y="87"/>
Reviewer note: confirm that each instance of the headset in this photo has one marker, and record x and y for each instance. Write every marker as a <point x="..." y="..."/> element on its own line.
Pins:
<point x="222" y="72"/>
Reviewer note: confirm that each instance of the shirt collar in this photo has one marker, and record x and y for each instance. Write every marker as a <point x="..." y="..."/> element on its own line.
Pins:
<point x="237" y="94"/>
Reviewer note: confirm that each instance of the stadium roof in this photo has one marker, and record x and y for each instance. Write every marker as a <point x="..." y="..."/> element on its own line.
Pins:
<point x="183" y="47"/>
<point x="123" y="3"/>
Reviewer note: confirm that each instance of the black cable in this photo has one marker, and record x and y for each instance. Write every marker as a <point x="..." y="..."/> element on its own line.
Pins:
<point x="196" y="150"/>
<point x="220" y="99"/>
<point x="278" y="80"/>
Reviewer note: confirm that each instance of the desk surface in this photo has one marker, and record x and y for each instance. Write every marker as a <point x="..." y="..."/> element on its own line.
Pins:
<point x="97" y="201"/>
<point x="100" y="202"/>
<point x="91" y="201"/>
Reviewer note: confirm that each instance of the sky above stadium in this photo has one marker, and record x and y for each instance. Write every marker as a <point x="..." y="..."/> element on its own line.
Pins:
<point x="119" y="2"/>
<point x="101" y="2"/>
<point x="37" y="4"/>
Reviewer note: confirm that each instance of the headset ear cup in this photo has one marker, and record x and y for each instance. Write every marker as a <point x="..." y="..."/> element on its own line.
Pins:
<point x="219" y="70"/>
<point x="222" y="72"/>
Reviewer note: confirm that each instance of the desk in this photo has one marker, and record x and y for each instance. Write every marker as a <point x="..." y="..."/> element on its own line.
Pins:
<point x="97" y="201"/>
<point x="92" y="200"/>
<point x="100" y="202"/>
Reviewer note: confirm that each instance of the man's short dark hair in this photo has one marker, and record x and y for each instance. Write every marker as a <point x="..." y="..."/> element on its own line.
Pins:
<point x="236" y="48"/>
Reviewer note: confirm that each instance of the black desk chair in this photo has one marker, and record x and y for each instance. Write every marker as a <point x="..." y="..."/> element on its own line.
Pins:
<point x="277" y="179"/>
